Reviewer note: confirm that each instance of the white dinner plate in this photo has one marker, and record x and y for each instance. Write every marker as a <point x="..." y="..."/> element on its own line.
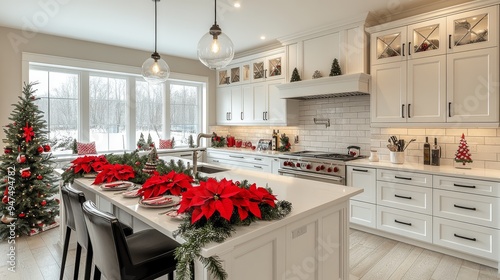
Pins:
<point x="116" y="186"/>
<point x="175" y="200"/>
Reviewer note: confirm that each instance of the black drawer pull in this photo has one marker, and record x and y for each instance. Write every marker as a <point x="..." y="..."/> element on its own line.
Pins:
<point x="463" y="237"/>
<point x="360" y="170"/>
<point x="215" y="160"/>
<point x="186" y="155"/>
<point x="403" y="49"/>
<point x="402" y="178"/>
<point x="257" y="159"/>
<point x="403" y="111"/>
<point x="463" y="207"/>
<point x="449" y="42"/>
<point x="256" y="166"/>
<point x="401" y="196"/>
<point x="236" y="157"/>
<point x="464" y="186"/>
<point x="403" y="223"/>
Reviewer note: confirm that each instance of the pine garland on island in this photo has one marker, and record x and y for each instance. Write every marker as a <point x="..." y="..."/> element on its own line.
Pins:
<point x="26" y="172"/>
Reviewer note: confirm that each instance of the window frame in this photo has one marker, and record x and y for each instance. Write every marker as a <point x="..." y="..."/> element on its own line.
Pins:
<point x="86" y="68"/>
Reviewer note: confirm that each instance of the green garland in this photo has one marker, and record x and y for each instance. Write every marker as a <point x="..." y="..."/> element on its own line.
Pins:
<point x="285" y="143"/>
<point x="218" y="141"/>
<point x="216" y="229"/>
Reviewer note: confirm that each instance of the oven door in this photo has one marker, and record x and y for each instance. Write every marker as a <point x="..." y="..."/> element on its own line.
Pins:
<point x="312" y="176"/>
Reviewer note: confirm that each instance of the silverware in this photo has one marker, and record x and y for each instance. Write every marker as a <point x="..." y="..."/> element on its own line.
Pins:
<point x="412" y="140"/>
<point x="170" y="209"/>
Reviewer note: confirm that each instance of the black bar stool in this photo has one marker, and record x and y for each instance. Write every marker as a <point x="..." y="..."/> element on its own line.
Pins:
<point x="70" y="225"/>
<point x="147" y="254"/>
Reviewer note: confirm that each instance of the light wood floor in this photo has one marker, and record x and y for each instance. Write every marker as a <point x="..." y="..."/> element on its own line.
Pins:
<point x="371" y="258"/>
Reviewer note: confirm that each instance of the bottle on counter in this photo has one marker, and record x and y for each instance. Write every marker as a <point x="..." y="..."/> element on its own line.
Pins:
<point x="427" y="151"/>
<point x="435" y="154"/>
<point x="274" y="142"/>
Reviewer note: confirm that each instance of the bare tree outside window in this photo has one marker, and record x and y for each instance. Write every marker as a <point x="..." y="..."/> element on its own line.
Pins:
<point x="149" y="110"/>
<point x="184" y="112"/>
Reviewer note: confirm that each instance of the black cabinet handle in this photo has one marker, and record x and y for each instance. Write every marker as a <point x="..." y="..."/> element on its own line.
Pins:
<point x="463" y="237"/>
<point x="401" y="196"/>
<point x="403" y="111"/>
<point x="257" y="159"/>
<point x="241" y="115"/>
<point x="360" y="170"/>
<point x="215" y="160"/>
<point x="263" y="116"/>
<point x="236" y="157"/>
<point x="464" y="186"/>
<point x="409" y="48"/>
<point x="449" y="109"/>
<point x="463" y="207"/>
<point x="402" y="178"/>
<point x="403" y="48"/>
<point x="409" y="110"/>
<point x="258" y="166"/>
<point x="403" y="223"/>
<point x="449" y="41"/>
<point x="265" y="73"/>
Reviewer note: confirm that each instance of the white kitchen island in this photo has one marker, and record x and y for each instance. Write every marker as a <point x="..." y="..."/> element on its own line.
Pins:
<point x="310" y="243"/>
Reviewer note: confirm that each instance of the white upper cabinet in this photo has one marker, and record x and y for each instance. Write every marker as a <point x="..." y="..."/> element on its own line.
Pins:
<point x="268" y="68"/>
<point x="473" y="30"/>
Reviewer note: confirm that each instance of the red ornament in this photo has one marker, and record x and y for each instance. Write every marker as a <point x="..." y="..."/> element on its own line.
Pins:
<point x="21" y="158"/>
<point x="40" y="224"/>
<point x="5" y="199"/>
<point x="25" y="173"/>
<point x="46" y="148"/>
<point x="137" y="163"/>
<point x="7" y="150"/>
<point x="21" y="215"/>
<point x="43" y="203"/>
<point x="28" y="133"/>
<point x="39" y="149"/>
<point x="39" y="177"/>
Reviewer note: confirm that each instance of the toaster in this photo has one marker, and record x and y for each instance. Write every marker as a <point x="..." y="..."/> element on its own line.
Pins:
<point x="264" y="144"/>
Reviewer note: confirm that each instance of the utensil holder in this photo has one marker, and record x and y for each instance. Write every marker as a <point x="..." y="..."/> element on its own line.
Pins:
<point x="397" y="157"/>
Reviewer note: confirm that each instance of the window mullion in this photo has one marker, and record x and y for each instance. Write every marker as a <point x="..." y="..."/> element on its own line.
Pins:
<point x="84" y="118"/>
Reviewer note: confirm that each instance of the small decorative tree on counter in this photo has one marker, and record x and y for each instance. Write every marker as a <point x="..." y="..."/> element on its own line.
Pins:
<point x="463" y="154"/>
<point x="335" y="71"/>
<point x="295" y="76"/>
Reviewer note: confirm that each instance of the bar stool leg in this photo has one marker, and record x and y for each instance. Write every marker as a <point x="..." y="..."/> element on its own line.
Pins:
<point x="65" y="251"/>
<point x="97" y="273"/>
<point x="88" y="262"/>
<point x="77" y="261"/>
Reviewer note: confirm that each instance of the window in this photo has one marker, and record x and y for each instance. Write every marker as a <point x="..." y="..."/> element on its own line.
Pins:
<point x="185" y="103"/>
<point x="111" y="104"/>
<point x="107" y="112"/>
<point x="149" y="110"/>
<point x="58" y="98"/>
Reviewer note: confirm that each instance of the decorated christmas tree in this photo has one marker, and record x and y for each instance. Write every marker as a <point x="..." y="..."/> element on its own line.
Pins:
<point x="150" y="166"/>
<point x="141" y="144"/>
<point x="150" y="144"/>
<point x="27" y="179"/>
<point x="335" y="71"/>
<point x="463" y="154"/>
<point x="295" y="75"/>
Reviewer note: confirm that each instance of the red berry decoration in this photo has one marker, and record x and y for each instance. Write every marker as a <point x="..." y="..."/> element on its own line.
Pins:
<point x="39" y="149"/>
<point x="21" y="215"/>
<point x="43" y="203"/>
<point x="5" y="199"/>
<point x="39" y="177"/>
<point x="46" y="148"/>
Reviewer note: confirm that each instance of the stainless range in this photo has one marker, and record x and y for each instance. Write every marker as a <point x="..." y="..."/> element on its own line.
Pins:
<point x="318" y="166"/>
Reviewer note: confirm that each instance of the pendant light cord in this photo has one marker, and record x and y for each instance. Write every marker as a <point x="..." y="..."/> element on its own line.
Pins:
<point x="156" y="23"/>
<point x="215" y="12"/>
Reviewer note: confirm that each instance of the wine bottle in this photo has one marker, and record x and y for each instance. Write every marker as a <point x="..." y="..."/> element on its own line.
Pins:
<point x="274" y="141"/>
<point x="435" y="153"/>
<point x="427" y="151"/>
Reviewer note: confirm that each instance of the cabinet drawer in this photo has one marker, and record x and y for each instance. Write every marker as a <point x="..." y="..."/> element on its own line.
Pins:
<point x="410" y="178"/>
<point x="364" y="178"/>
<point x="405" y="197"/>
<point x="235" y="164"/>
<point x="472" y="239"/>
<point x="467" y="185"/>
<point x="476" y="209"/>
<point x="240" y="157"/>
<point x="405" y="223"/>
<point x="363" y="213"/>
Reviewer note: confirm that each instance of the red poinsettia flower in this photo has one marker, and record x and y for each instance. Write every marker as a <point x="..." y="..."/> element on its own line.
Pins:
<point x="114" y="172"/>
<point x="209" y="197"/>
<point x="174" y="183"/>
<point x="87" y="164"/>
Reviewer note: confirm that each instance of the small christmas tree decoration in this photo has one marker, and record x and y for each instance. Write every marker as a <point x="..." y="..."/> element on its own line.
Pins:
<point x="463" y="154"/>
<point x="335" y="71"/>
<point x="141" y="144"/>
<point x="150" y="166"/>
<point x="150" y="144"/>
<point x="295" y="76"/>
<point x="191" y="141"/>
<point x="285" y="143"/>
<point x="317" y="74"/>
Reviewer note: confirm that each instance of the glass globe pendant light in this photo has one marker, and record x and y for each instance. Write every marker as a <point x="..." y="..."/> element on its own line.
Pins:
<point x="155" y="70"/>
<point x="215" y="49"/>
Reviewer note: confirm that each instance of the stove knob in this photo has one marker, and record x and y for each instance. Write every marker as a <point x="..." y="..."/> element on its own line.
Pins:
<point x="297" y="164"/>
<point x="318" y="168"/>
<point x="308" y="166"/>
<point x="335" y="169"/>
<point x="322" y="167"/>
<point x="329" y="169"/>
<point x="287" y="163"/>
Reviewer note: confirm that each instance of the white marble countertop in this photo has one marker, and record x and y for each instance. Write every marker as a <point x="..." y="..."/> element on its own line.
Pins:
<point x="306" y="197"/>
<point x="473" y="173"/>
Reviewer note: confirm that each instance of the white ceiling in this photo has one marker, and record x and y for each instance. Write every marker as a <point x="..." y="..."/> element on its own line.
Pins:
<point x="181" y="23"/>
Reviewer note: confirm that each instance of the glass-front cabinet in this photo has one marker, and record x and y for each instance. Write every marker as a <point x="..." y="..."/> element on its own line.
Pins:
<point x="268" y="68"/>
<point x="473" y="30"/>
<point x="223" y="77"/>
<point x="389" y="45"/>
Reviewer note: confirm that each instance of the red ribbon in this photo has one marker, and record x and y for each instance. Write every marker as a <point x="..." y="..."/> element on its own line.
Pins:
<point x="28" y="133"/>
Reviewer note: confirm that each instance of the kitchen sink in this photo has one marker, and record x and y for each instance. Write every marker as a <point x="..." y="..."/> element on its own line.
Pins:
<point x="210" y="169"/>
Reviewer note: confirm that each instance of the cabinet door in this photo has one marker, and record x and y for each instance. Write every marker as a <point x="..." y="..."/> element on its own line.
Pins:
<point x="388" y="92"/>
<point x="259" y="70"/>
<point x="223" y="77"/>
<point x="236" y="112"/>
<point x="473" y="30"/>
<point x="260" y="102"/>
<point x="223" y="105"/>
<point x="427" y="38"/>
<point x="275" y="67"/>
<point x="427" y="89"/>
<point x="365" y="178"/>
<point x="388" y="46"/>
<point x="472" y="79"/>
<point x="276" y="107"/>
<point x="248" y="103"/>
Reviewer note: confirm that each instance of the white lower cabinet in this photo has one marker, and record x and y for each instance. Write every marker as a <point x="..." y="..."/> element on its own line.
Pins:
<point x="464" y="237"/>
<point x="363" y="213"/>
<point x="362" y="206"/>
<point x="406" y="223"/>
<point x="405" y="197"/>
<point x="240" y="160"/>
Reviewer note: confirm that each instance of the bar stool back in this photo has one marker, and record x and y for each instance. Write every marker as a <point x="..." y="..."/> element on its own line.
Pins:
<point x="70" y="225"/>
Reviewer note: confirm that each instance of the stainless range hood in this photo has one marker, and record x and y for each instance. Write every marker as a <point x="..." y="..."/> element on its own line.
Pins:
<point x="327" y="87"/>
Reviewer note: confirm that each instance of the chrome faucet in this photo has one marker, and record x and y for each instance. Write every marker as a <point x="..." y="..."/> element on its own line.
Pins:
<point x="195" y="152"/>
